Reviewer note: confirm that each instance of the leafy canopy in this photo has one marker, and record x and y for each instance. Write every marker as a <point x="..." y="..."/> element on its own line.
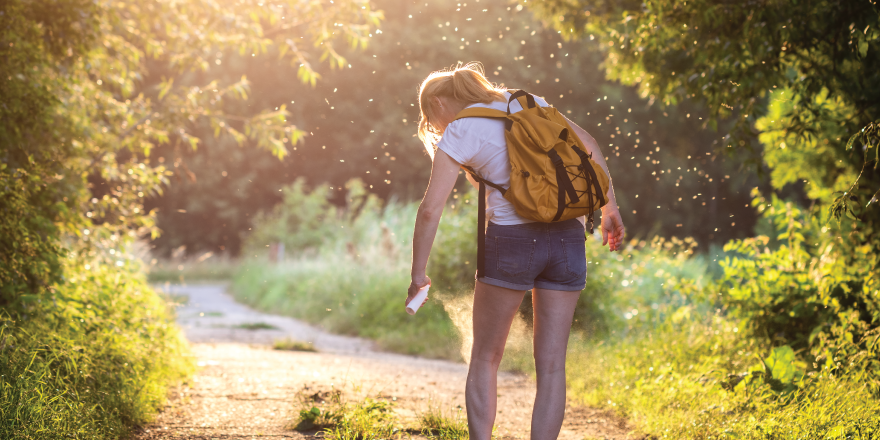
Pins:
<point x="81" y="115"/>
<point x="801" y="82"/>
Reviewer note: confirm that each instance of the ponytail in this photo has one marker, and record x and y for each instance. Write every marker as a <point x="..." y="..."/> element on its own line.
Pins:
<point x="464" y="83"/>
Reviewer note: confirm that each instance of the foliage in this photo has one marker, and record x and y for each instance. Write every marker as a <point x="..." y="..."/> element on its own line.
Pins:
<point x="731" y="55"/>
<point x="811" y="103"/>
<point x="361" y="120"/>
<point x="791" y="350"/>
<point x="91" y="358"/>
<point x="92" y="350"/>
<point x="346" y="275"/>
<point x="304" y="220"/>
<point x="90" y="162"/>
<point x="707" y="377"/>
<point x="37" y="41"/>
<point x="868" y="138"/>
<point x="437" y="424"/>
<point x="804" y="292"/>
<point x="340" y="419"/>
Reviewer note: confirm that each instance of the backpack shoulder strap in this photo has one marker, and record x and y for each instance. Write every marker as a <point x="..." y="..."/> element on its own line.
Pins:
<point x="481" y="112"/>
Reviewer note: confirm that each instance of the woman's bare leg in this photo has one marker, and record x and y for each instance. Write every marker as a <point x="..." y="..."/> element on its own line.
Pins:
<point x="554" y="310"/>
<point x="494" y="309"/>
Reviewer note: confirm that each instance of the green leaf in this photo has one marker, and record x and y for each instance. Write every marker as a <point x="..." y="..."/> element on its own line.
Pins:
<point x="874" y="199"/>
<point x="852" y="140"/>
<point x="165" y="87"/>
<point x="836" y="432"/>
<point x="782" y="365"/>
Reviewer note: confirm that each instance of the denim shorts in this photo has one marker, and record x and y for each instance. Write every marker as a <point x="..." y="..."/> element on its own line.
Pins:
<point x="541" y="255"/>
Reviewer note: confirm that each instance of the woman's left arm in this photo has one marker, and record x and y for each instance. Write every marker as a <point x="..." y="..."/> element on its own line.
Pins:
<point x="444" y="173"/>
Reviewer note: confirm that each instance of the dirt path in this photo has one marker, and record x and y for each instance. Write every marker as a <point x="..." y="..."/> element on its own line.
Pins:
<point x="244" y="389"/>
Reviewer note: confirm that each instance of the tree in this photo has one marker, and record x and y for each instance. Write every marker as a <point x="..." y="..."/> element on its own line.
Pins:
<point x="80" y="118"/>
<point x="800" y="78"/>
<point x="88" y="346"/>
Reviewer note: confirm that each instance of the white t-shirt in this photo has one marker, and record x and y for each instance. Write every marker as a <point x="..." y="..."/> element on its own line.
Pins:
<point x="480" y="144"/>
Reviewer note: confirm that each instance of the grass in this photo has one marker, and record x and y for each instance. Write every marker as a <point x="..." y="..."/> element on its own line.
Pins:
<point x="349" y="274"/>
<point x="350" y="295"/>
<point x="338" y="418"/>
<point x="206" y="267"/>
<point x="91" y="360"/>
<point x="256" y="326"/>
<point x="434" y="423"/>
<point x="684" y="380"/>
<point x="293" y="345"/>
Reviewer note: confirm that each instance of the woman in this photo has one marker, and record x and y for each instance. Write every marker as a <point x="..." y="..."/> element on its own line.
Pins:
<point x="547" y="258"/>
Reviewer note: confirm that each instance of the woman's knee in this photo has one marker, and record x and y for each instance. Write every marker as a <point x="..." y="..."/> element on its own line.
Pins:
<point x="549" y="363"/>
<point x="489" y="356"/>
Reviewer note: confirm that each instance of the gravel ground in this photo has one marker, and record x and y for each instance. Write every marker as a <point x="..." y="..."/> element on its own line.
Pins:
<point x="245" y="390"/>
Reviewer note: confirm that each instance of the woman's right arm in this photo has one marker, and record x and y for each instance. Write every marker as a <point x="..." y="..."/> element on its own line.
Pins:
<point x="444" y="173"/>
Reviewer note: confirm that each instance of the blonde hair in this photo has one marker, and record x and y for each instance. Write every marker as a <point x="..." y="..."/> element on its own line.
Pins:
<point x="464" y="83"/>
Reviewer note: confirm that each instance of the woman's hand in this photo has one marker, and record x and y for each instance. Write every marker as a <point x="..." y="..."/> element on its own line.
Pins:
<point x="612" y="228"/>
<point x="417" y="283"/>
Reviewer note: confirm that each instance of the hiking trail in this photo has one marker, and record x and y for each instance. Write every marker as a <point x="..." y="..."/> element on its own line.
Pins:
<point x="244" y="389"/>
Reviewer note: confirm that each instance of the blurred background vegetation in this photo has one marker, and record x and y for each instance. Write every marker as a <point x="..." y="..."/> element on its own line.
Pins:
<point x="360" y="121"/>
<point x="272" y="144"/>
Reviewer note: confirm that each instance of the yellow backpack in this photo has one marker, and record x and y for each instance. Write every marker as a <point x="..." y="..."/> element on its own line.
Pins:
<point x="552" y="177"/>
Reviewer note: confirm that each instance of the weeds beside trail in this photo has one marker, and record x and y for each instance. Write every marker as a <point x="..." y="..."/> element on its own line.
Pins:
<point x="340" y="418"/>
<point x="702" y="378"/>
<point x="346" y="272"/>
<point x="91" y="361"/>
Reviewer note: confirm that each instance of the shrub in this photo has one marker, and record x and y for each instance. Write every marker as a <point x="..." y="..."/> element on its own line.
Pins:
<point x="796" y="287"/>
<point x="91" y="359"/>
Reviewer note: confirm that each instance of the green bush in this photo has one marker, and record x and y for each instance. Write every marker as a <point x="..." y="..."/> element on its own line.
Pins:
<point x="702" y="377"/>
<point x="91" y="359"/>
<point x="799" y="286"/>
<point x="788" y="348"/>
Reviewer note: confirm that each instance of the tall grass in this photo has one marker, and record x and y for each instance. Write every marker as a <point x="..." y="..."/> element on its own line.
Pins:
<point x="90" y="361"/>
<point x="206" y="267"/>
<point x="353" y="280"/>
<point x="700" y="377"/>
